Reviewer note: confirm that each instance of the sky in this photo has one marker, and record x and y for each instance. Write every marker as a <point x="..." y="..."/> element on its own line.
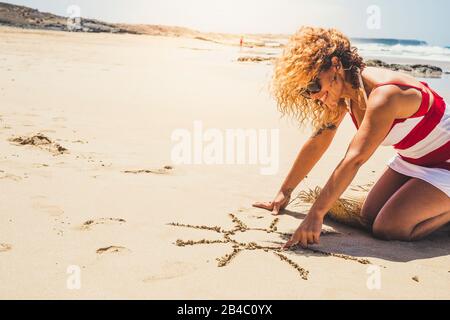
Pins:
<point x="401" y="19"/>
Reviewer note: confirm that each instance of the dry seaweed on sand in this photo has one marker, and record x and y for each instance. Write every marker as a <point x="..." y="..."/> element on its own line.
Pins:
<point x="345" y="210"/>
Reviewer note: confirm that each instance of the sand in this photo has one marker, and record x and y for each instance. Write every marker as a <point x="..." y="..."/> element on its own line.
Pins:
<point x="112" y="207"/>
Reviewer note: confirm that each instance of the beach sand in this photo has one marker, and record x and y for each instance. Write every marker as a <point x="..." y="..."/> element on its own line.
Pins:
<point x="112" y="102"/>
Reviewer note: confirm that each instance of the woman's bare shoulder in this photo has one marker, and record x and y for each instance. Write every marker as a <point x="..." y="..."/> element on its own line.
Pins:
<point x="377" y="76"/>
<point x="403" y="100"/>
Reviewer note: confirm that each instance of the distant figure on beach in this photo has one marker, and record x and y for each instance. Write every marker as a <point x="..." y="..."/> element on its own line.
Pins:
<point x="319" y="79"/>
<point x="241" y="42"/>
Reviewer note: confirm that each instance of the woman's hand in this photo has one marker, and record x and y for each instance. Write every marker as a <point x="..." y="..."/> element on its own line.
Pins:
<point x="279" y="203"/>
<point x="307" y="233"/>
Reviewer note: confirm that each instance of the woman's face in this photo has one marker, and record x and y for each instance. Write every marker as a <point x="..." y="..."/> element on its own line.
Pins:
<point x="332" y="86"/>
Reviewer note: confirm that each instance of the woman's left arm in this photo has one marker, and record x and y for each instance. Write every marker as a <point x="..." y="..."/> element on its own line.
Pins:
<point x="380" y="115"/>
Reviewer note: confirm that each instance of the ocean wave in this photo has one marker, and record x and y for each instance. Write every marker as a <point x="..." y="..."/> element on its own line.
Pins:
<point x="424" y="52"/>
<point x="398" y="48"/>
<point x="389" y="42"/>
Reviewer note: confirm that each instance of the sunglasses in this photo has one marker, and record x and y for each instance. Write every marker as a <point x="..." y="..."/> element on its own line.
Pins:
<point x="311" y="88"/>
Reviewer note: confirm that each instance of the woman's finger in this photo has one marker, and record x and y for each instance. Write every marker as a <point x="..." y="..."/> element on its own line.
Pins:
<point x="310" y="238"/>
<point x="316" y="238"/>
<point x="289" y="243"/>
<point x="292" y="241"/>
<point x="303" y="241"/>
<point x="264" y="205"/>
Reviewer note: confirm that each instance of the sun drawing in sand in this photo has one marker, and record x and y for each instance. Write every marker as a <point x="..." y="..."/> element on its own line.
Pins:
<point x="239" y="247"/>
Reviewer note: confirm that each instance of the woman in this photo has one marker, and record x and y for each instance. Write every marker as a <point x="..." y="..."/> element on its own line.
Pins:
<point x="321" y="78"/>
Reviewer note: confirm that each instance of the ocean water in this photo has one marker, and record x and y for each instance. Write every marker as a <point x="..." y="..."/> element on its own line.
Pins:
<point x="390" y="51"/>
<point x="397" y="48"/>
<point x="410" y="52"/>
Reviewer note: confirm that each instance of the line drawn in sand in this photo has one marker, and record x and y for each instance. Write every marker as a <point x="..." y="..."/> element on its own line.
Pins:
<point x="87" y="225"/>
<point x="113" y="249"/>
<point x="239" y="247"/>
<point x="164" y="170"/>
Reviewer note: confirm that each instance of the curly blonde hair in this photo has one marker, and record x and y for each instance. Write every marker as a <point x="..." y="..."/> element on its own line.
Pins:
<point x="308" y="52"/>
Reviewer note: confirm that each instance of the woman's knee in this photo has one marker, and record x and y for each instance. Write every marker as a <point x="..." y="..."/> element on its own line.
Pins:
<point x="380" y="231"/>
<point x="368" y="214"/>
<point x="385" y="231"/>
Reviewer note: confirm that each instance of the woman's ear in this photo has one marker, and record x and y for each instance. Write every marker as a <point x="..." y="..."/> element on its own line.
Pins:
<point x="336" y="62"/>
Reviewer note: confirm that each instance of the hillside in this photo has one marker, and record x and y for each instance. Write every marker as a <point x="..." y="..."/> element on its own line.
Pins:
<point x="24" y="17"/>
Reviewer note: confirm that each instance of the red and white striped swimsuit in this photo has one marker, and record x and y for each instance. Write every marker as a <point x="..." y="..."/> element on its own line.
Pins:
<point x="422" y="141"/>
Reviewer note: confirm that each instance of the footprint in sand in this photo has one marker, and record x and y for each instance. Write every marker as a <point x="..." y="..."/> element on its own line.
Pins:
<point x="249" y="213"/>
<point x="53" y="210"/>
<point x="112" y="249"/>
<point x="48" y="131"/>
<point x="171" y="270"/>
<point x="200" y="49"/>
<point x="108" y="221"/>
<point x="40" y="165"/>
<point x="41" y="141"/>
<point x="9" y="176"/>
<point x="164" y="170"/>
<point x="5" y="247"/>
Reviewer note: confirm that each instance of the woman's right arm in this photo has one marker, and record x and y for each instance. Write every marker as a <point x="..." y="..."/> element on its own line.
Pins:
<point x="309" y="155"/>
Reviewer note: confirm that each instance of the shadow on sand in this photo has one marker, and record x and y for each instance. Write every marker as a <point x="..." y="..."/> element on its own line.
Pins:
<point x="357" y="243"/>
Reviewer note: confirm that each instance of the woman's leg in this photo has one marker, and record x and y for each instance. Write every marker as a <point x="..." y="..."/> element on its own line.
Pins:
<point x="388" y="184"/>
<point x="413" y="212"/>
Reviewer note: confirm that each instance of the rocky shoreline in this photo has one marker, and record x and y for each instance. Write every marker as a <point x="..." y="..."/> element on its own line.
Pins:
<point x="417" y="70"/>
<point x="28" y="18"/>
